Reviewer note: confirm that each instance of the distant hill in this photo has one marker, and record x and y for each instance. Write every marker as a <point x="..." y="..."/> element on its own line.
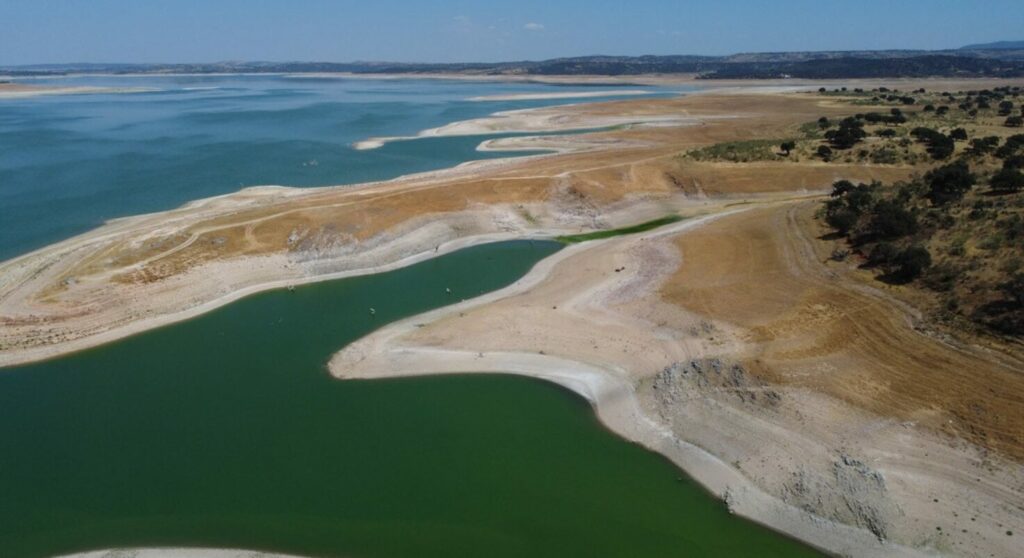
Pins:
<point x="998" y="45"/>
<point x="1003" y="59"/>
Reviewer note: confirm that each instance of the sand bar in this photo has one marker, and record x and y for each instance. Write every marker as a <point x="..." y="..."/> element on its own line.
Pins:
<point x="564" y="95"/>
<point x="22" y="91"/>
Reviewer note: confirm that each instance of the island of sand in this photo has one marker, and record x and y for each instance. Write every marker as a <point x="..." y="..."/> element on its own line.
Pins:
<point x="806" y="394"/>
<point x="17" y="90"/>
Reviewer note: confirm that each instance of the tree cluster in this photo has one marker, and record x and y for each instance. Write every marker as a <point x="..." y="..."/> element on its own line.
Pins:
<point x="940" y="146"/>
<point x="849" y="133"/>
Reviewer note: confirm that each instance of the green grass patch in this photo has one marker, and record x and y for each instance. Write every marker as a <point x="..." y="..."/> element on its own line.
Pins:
<point x="638" y="228"/>
<point x="738" y="151"/>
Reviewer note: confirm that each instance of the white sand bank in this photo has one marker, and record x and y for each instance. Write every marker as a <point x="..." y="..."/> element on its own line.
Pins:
<point x="562" y="95"/>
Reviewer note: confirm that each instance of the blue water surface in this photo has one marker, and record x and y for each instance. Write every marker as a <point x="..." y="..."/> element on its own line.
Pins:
<point x="70" y="162"/>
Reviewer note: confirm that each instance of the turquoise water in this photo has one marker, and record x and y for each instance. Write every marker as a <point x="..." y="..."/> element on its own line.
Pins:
<point x="227" y="431"/>
<point x="70" y="162"/>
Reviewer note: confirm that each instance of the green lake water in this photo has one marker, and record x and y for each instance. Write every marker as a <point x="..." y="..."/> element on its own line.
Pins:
<point x="227" y="431"/>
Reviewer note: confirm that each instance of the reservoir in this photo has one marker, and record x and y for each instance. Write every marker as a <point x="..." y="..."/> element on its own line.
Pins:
<point x="227" y="431"/>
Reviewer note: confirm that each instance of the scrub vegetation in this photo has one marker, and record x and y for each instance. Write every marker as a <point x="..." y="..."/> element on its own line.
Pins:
<point x="955" y="230"/>
<point x="641" y="227"/>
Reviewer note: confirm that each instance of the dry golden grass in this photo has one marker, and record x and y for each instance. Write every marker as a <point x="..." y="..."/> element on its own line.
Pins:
<point x="816" y="327"/>
<point x="595" y="178"/>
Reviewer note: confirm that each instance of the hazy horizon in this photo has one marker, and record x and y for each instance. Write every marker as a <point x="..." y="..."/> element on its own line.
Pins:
<point x="445" y="31"/>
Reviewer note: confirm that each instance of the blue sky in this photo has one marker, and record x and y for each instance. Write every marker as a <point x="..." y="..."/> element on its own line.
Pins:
<point x="40" y="31"/>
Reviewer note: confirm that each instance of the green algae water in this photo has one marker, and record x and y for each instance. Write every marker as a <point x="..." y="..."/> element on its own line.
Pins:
<point x="227" y="431"/>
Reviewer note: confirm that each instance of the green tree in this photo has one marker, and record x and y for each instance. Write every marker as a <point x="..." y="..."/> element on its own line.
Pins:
<point x="1007" y="180"/>
<point x="847" y="203"/>
<point x="908" y="264"/>
<point x="949" y="183"/>
<point x="850" y="132"/>
<point x="891" y="219"/>
<point x="1014" y="289"/>
<point x="981" y="146"/>
<point x="787" y="147"/>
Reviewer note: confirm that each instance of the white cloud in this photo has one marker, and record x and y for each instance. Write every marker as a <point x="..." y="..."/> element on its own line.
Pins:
<point x="534" y="26"/>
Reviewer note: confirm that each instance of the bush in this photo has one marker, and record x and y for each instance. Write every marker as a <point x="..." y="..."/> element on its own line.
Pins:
<point x="842" y="219"/>
<point x="884" y="156"/>
<point x="981" y="146"/>
<point x="1006" y="315"/>
<point x="908" y="264"/>
<point x="1012" y="227"/>
<point x="1014" y="289"/>
<point x="1014" y="122"/>
<point x="847" y="204"/>
<point x="882" y="254"/>
<point x="825" y="152"/>
<point x="850" y="132"/>
<point x="940" y="146"/>
<point x="891" y="219"/>
<point x="1007" y="180"/>
<point x="1014" y="162"/>
<point x="941" y="277"/>
<point x="949" y="183"/>
<point x="1012" y="146"/>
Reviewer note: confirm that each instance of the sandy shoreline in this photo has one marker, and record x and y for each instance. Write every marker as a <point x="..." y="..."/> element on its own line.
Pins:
<point x="616" y="388"/>
<point x="170" y="552"/>
<point x="22" y="91"/>
<point x="566" y="95"/>
<point x="559" y="118"/>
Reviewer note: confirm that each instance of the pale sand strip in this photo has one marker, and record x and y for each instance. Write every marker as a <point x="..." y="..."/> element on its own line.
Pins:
<point x="560" y="118"/>
<point x="501" y="331"/>
<point x="564" y="95"/>
<point x="177" y="553"/>
<point x="261" y="274"/>
<point x="37" y="91"/>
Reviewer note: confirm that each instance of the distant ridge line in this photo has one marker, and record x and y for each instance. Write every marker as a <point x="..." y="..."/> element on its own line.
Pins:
<point x="999" y="59"/>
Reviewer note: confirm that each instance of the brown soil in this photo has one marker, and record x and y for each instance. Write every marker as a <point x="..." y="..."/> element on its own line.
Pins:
<point x="820" y="328"/>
